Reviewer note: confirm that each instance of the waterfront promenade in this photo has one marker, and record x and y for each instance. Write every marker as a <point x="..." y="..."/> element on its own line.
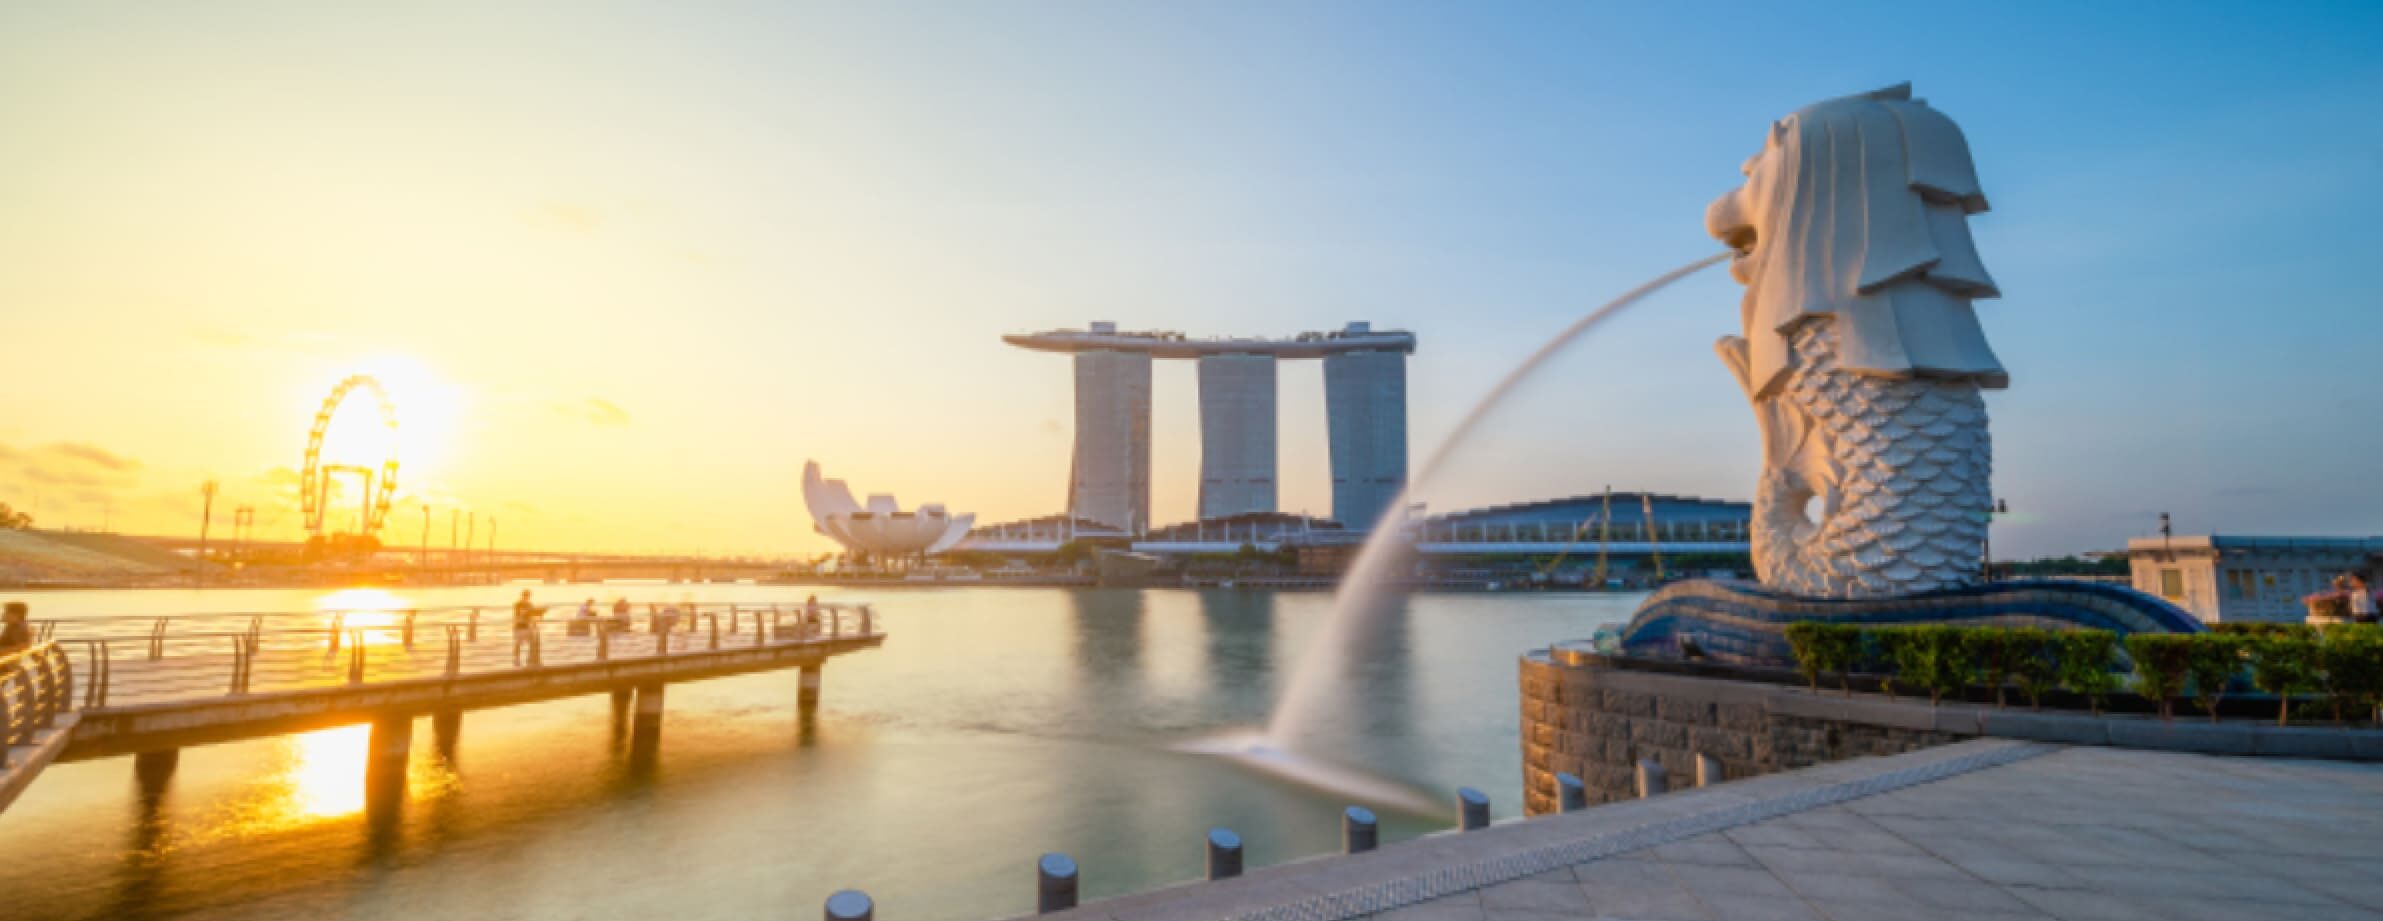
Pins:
<point x="1987" y="829"/>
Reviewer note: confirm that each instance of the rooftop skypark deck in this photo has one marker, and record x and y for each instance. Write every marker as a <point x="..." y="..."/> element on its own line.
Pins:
<point x="1106" y="337"/>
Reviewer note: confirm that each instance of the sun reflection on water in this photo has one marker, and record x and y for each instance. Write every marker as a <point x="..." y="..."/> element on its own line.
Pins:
<point x="313" y="778"/>
<point x="325" y="778"/>
<point x="372" y="609"/>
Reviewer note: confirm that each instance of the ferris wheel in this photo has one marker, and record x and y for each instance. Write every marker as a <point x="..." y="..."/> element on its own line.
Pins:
<point x="314" y="488"/>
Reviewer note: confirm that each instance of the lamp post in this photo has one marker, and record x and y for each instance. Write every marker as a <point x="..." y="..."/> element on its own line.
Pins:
<point x="1986" y="564"/>
<point x="206" y="517"/>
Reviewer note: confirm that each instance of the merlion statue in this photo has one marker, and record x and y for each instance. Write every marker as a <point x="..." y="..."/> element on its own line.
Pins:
<point x="1861" y="355"/>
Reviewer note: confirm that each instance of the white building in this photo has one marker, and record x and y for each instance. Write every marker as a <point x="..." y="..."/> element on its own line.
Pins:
<point x="878" y="530"/>
<point x="2222" y="579"/>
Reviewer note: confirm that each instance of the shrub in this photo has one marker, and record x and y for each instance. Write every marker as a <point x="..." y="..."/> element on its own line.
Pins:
<point x="2035" y="662"/>
<point x="1803" y="639"/>
<point x="1988" y="651"/>
<point x="1929" y="657"/>
<point x="2351" y="659"/>
<point x="2213" y="661"/>
<point x="2162" y="661"/>
<point x="1822" y="647"/>
<point x="2283" y="663"/>
<point x="2088" y="664"/>
<point x="1897" y="651"/>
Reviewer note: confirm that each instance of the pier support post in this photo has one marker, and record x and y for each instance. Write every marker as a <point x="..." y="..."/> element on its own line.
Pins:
<point x="153" y="768"/>
<point x="385" y="753"/>
<point x="1472" y="807"/>
<point x="446" y="729"/>
<point x="1708" y="770"/>
<point x="1652" y="779"/>
<point x="645" y="728"/>
<point x="1571" y="794"/>
<point x="392" y="742"/>
<point x="1054" y="883"/>
<point x="807" y="699"/>
<point x="1224" y="854"/>
<point x="1359" y="830"/>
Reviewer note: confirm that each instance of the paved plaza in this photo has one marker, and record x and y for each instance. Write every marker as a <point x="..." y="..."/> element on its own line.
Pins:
<point x="1984" y="830"/>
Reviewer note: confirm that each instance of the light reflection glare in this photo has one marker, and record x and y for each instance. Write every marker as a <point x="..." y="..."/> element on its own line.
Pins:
<point x="366" y="608"/>
<point x="325" y="778"/>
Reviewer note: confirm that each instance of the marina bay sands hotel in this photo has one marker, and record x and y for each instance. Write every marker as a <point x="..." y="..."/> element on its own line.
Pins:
<point x="1365" y="396"/>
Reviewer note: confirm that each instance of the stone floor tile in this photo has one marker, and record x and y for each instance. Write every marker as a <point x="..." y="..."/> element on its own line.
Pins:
<point x="2008" y="872"/>
<point x="1462" y="907"/>
<point x="2187" y="909"/>
<point x="1773" y="834"/>
<point x="1807" y="860"/>
<point x="1648" y="904"/>
<point x="1899" y="866"/>
<point x="1747" y="881"/>
<point x="2085" y="905"/>
<point x="1535" y="896"/>
<point x="1711" y="850"/>
<point x="1758" y="908"/>
<point x="1604" y="873"/>
<point x="1962" y="895"/>
<point x="1841" y="887"/>
<point x="1887" y="910"/>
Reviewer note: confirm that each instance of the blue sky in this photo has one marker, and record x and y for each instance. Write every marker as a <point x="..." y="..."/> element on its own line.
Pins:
<point x="797" y="231"/>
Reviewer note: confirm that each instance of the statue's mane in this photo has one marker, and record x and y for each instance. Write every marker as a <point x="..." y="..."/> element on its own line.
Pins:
<point x="1869" y="197"/>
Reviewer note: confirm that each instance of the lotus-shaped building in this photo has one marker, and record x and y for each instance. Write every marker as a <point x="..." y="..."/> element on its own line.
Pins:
<point x="879" y="530"/>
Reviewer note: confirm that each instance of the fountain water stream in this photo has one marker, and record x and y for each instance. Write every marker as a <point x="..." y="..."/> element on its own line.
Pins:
<point x="1364" y="594"/>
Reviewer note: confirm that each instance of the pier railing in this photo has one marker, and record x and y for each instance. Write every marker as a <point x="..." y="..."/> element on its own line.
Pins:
<point x="135" y="659"/>
<point x="36" y="686"/>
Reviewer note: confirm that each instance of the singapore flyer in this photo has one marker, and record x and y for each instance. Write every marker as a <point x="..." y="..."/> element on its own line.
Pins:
<point x="379" y="483"/>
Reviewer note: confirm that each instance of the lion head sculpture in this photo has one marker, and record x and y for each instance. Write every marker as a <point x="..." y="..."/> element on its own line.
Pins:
<point x="1861" y="357"/>
<point x="1857" y="209"/>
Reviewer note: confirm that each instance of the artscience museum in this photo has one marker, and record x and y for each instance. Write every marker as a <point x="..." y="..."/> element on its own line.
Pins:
<point x="880" y="530"/>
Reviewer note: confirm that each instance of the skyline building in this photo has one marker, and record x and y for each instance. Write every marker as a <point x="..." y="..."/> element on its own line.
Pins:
<point x="1109" y="480"/>
<point x="1365" y="405"/>
<point x="1365" y="377"/>
<point x="1237" y="434"/>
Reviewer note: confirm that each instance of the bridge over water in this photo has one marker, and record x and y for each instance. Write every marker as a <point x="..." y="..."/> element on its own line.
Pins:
<point x="149" y="686"/>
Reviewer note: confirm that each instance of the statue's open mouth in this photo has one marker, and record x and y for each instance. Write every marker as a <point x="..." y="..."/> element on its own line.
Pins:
<point x="1741" y="241"/>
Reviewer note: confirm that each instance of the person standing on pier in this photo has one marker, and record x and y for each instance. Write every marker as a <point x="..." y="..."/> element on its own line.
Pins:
<point x="15" y="634"/>
<point x="525" y="628"/>
<point x="811" y="616"/>
<point x="621" y="618"/>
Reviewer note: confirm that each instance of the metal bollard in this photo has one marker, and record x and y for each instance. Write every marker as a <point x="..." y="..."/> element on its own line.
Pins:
<point x="1652" y="780"/>
<point x="1359" y="830"/>
<point x="1708" y="770"/>
<point x="1571" y="794"/>
<point x="1054" y="883"/>
<point x="1472" y="809"/>
<point x="1224" y="854"/>
<point x="850" y="905"/>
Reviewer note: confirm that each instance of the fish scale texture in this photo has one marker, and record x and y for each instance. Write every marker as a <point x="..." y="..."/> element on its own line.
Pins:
<point x="1911" y="462"/>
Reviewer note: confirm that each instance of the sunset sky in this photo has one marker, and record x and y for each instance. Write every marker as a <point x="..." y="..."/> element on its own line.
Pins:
<point x="626" y="269"/>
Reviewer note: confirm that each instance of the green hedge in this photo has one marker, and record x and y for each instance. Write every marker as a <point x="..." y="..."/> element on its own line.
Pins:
<point x="2342" y="665"/>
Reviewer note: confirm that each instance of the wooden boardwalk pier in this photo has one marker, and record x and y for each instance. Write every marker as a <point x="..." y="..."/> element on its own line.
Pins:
<point x="151" y="686"/>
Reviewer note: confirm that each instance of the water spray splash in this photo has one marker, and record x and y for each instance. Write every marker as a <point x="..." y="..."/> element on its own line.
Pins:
<point x="1361" y="596"/>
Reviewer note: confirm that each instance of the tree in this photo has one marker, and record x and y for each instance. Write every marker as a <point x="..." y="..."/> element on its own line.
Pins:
<point x="2087" y="663"/>
<point x="2284" y="663"/>
<point x="13" y="520"/>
